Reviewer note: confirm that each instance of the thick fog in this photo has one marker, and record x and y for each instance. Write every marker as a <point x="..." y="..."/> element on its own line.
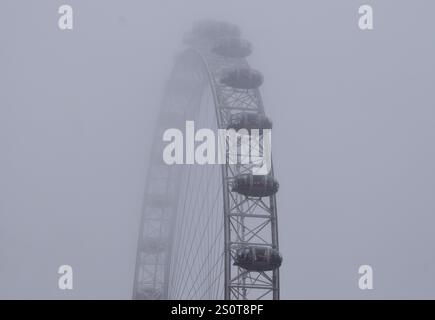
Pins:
<point x="353" y="139"/>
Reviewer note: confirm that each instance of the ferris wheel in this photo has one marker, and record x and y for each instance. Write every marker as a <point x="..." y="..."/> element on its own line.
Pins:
<point x="210" y="231"/>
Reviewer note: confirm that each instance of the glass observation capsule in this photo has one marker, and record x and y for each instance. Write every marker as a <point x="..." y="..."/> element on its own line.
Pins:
<point x="211" y="30"/>
<point x="255" y="185"/>
<point x="258" y="258"/>
<point x="249" y="121"/>
<point x="158" y="201"/>
<point x="148" y="293"/>
<point x="153" y="245"/>
<point x="232" y="47"/>
<point x="242" y="78"/>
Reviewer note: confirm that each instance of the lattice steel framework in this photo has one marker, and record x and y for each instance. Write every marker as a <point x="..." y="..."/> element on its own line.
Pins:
<point x="245" y="220"/>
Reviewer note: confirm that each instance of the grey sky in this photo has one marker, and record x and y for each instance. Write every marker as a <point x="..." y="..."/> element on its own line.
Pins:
<point x="353" y="139"/>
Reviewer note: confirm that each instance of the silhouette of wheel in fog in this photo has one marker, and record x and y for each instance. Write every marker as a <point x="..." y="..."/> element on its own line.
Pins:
<point x="209" y="231"/>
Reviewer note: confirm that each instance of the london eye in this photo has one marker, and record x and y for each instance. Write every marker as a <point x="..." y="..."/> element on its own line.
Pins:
<point x="210" y="231"/>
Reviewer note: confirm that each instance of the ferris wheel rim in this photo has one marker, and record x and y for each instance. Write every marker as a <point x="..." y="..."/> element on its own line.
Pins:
<point x="205" y="63"/>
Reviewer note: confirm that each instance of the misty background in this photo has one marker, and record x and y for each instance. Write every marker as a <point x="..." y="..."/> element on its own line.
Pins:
<point x="353" y="139"/>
